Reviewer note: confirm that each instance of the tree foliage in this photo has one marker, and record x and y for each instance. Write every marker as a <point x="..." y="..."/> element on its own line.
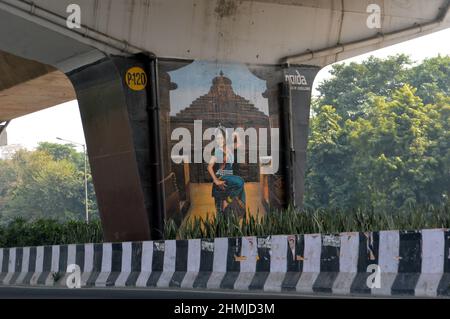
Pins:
<point x="45" y="183"/>
<point x="380" y="136"/>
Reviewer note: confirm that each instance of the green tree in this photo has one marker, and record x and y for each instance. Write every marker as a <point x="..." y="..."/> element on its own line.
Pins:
<point x="431" y="78"/>
<point x="46" y="183"/>
<point x="351" y="84"/>
<point x="376" y="140"/>
<point x="7" y="179"/>
<point x="44" y="187"/>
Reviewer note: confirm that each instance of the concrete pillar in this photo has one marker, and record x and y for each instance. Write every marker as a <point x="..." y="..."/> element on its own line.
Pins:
<point x="120" y="126"/>
<point x="291" y="114"/>
<point x="297" y="105"/>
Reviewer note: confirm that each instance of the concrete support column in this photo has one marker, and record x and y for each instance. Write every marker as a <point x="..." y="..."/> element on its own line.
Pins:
<point x="297" y="105"/>
<point x="119" y="126"/>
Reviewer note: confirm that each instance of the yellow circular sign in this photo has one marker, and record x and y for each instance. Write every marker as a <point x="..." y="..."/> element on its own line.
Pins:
<point x="136" y="78"/>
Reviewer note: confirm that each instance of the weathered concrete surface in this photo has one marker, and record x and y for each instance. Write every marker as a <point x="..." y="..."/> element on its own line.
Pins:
<point x="27" y="86"/>
<point x="249" y="31"/>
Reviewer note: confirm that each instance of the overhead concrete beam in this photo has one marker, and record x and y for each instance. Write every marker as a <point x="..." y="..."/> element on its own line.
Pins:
<point x="28" y="86"/>
<point x="15" y="70"/>
<point x="247" y="31"/>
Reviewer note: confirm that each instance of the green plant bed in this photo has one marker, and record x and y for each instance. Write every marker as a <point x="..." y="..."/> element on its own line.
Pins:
<point x="22" y="233"/>
<point x="291" y="221"/>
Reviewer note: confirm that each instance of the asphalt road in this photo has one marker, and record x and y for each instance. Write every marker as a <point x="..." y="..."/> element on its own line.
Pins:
<point x="130" y="293"/>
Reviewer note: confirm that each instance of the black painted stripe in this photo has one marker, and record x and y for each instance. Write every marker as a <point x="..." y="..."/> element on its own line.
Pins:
<point x="444" y="283"/>
<point x="410" y="264"/>
<point x="47" y="262"/>
<point x="80" y="256"/>
<point x="31" y="266"/>
<point x="329" y="265"/>
<point x="116" y="264"/>
<point x="367" y="255"/>
<point x="181" y="260"/>
<point x="19" y="260"/>
<point x="5" y="263"/>
<point x="136" y="256"/>
<point x="97" y="264"/>
<point x="136" y="263"/>
<point x="262" y="264"/>
<point x="63" y="257"/>
<point x="206" y="263"/>
<point x="294" y="262"/>
<point x="98" y="257"/>
<point x="157" y="263"/>
<point x="18" y="265"/>
<point x="233" y="265"/>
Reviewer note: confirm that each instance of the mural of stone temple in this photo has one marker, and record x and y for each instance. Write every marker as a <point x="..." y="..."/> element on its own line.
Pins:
<point x="221" y="106"/>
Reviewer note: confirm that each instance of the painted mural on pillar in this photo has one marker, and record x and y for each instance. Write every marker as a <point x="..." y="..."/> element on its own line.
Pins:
<point x="222" y="138"/>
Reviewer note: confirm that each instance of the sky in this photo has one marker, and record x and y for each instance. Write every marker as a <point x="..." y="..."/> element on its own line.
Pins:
<point x="64" y="120"/>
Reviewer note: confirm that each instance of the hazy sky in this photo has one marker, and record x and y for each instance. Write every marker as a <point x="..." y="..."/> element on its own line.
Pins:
<point x="64" y="120"/>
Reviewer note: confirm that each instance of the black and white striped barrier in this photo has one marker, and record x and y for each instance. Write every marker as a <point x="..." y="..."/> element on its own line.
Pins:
<point x="377" y="263"/>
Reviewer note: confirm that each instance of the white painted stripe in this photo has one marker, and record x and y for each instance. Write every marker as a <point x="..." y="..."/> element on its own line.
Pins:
<point x="433" y="247"/>
<point x="274" y="281"/>
<point x="54" y="266"/>
<point x="88" y="263"/>
<point x="39" y="259"/>
<point x="102" y="278"/>
<point x="39" y="265"/>
<point x="220" y="255"/>
<point x="278" y="263"/>
<point x="107" y="257"/>
<point x="1" y="260"/>
<point x="389" y="249"/>
<point x="428" y="285"/>
<point x="349" y="252"/>
<point x="12" y="260"/>
<point x="219" y="263"/>
<point x="146" y="263"/>
<point x="306" y="282"/>
<point x="170" y="254"/>
<point x="126" y="265"/>
<point x="193" y="266"/>
<point x="11" y="266"/>
<point x="26" y="259"/>
<point x="71" y="256"/>
<point x="250" y="252"/>
<point x="278" y="257"/>
<point x="433" y="250"/>
<point x="243" y="280"/>
<point x="88" y="257"/>
<point x="311" y="263"/>
<point x="313" y="249"/>
<point x="55" y="259"/>
<point x="194" y="250"/>
<point x="343" y="283"/>
<point x="348" y="263"/>
<point x="126" y="257"/>
<point x="248" y="264"/>
<point x="147" y="256"/>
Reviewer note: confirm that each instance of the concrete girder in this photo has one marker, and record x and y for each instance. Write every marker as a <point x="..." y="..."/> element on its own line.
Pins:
<point x="264" y="32"/>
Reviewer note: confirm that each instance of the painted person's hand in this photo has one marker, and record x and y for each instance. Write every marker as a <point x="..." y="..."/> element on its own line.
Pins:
<point x="220" y="184"/>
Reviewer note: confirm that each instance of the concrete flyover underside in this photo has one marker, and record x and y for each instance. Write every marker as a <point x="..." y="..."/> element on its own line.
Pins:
<point x="41" y="59"/>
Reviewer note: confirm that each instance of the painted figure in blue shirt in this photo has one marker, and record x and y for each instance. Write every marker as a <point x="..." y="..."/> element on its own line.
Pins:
<point x="226" y="185"/>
